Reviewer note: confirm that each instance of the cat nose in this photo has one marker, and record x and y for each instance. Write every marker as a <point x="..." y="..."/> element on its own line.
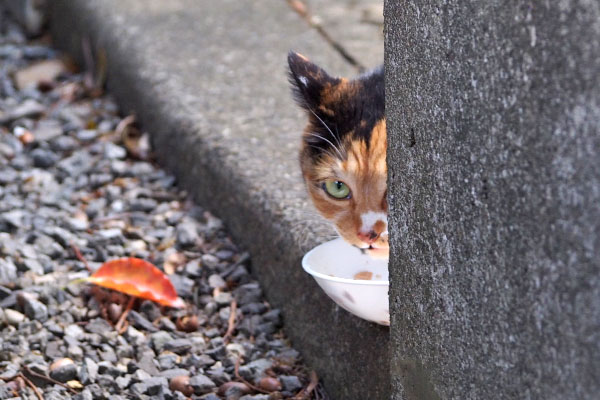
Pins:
<point x="368" y="237"/>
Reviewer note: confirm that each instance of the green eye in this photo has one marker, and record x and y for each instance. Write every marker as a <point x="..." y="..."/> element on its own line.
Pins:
<point x="337" y="189"/>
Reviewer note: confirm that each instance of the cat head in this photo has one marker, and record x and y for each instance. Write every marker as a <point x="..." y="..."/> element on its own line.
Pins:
<point x="343" y="154"/>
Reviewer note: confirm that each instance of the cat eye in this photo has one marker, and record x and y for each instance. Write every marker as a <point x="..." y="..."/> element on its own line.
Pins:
<point x="336" y="189"/>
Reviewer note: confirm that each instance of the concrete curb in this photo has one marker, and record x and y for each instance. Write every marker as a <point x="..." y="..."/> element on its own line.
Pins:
<point x="207" y="80"/>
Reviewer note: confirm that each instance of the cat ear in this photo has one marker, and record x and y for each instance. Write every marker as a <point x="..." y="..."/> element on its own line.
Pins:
<point x="308" y="80"/>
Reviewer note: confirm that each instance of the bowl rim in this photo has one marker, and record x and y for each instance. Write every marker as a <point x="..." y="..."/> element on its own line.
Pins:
<point x="330" y="278"/>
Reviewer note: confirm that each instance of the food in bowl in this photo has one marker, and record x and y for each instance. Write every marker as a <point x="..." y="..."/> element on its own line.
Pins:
<point x="355" y="281"/>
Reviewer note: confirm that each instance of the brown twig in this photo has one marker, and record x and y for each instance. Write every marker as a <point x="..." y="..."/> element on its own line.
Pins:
<point x="80" y="257"/>
<point x="123" y="124"/>
<point x="121" y="320"/>
<point x="32" y="385"/>
<point x="236" y="371"/>
<point x="302" y="10"/>
<point x="231" y="322"/>
<point x="305" y="393"/>
<point x="47" y="379"/>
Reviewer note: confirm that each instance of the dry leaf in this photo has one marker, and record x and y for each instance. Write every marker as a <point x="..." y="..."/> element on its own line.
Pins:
<point x="43" y="72"/>
<point x="139" y="278"/>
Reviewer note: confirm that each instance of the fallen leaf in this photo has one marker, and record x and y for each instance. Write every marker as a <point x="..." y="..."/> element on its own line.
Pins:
<point x="43" y="72"/>
<point x="139" y="278"/>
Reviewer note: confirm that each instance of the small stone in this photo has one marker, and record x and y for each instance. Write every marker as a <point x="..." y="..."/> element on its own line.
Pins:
<point x="167" y="360"/>
<point x="201" y="384"/>
<point x="171" y="373"/>
<point x="229" y="388"/>
<point x="253" y="308"/>
<point x="87" y="135"/>
<point x="43" y="158"/>
<point x="98" y="325"/>
<point x="215" y="281"/>
<point x="154" y="385"/>
<point x="248" y="293"/>
<point x="74" y="331"/>
<point x="63" y="370"/>
<point x="187" y="235"/>
<point x="255" y="370"/>
<point x="166" y="324"/>
<point x="255" y="397"/>
<point x="183" y="285"/>
<point x="159" y="340"/>
<point x="178" y="346"/>
<point x="290" y="383"/>
<point x="89" y="371"/>
<point x="63" y="144"/>
<point x="8" y="271"/>
<point x="193" y="269"/>
<point x="47" y="130"/>
<point x="86" y="394"/>
<point x="235" y="350"/>
<point x="209" y="260"/>
<point x="29" y="108"/>
<point x="223" y="298"/>
<point x="123" y="382"/>
<point x="34" y="309"/>
<point x="13" y="218"/>
<point x="13" y="317"/>
<point x="8" y="176"/>
<point x="140" y="322"/>
<point x="113" y="151"/>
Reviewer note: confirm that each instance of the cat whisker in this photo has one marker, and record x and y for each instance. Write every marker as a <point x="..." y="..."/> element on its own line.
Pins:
<point x="328" y="141"/>
<point x="320" y="149"/>
<point x="337" y="139"/>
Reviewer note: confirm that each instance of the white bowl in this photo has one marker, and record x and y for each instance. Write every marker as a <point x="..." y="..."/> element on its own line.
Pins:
<point x="334" y="266"/>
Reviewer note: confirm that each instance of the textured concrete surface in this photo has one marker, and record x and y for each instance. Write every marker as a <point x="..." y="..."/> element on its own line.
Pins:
<point x="208" y="80"/>
<point x="493" y="118"/>
<point x="357" y="25"/>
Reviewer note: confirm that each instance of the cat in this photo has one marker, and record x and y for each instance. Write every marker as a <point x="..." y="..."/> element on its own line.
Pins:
<point x="343" y="152"/>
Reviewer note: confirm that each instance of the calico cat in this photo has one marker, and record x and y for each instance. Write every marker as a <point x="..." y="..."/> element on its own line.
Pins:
<point x="343" y="154"/>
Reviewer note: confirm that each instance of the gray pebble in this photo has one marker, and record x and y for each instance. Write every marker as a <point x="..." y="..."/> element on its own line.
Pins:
<point x="248" y="293"/>
<point x="255" y="397"/>
<point x="64" y="372"/>
<point x="63" y="144"/>
<point x="13" y="317"/>
<point x="113" y="151"/>
<point x="255" y="370"/>
<point x="98" y="326"/>
<point x="154" y="385"/>
<point x="8" y="271"/>
<point x="187" y="235"/>
<point x="171" y="373"/>
<point x="215" y="281"/>
<point x="43" y="158"/>
<point x="201" y="384"/>
<point x="290" y="383"/>
<point x="209" y="260"/>
<point x="35" y="309"/>
<point x="123" y="382"/>
<point x="87" y="135"/>
<point x="178" y="346"/>
<point x="159" y="340"/>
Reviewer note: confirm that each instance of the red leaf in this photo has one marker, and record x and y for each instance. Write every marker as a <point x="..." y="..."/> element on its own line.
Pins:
<point x="137" y="277"/>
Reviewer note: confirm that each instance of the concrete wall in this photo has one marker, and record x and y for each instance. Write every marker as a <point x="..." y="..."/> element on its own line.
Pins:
<point x="493" y="119"/>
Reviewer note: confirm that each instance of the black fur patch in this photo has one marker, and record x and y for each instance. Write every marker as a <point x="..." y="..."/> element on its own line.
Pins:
<point x="356" y="108"/>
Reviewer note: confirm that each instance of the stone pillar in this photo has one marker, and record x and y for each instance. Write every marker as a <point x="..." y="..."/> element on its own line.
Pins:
<point x="493" y="116"/>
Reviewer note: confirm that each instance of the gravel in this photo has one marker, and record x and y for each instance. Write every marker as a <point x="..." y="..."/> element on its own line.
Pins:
<point x="69" y="185"/>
